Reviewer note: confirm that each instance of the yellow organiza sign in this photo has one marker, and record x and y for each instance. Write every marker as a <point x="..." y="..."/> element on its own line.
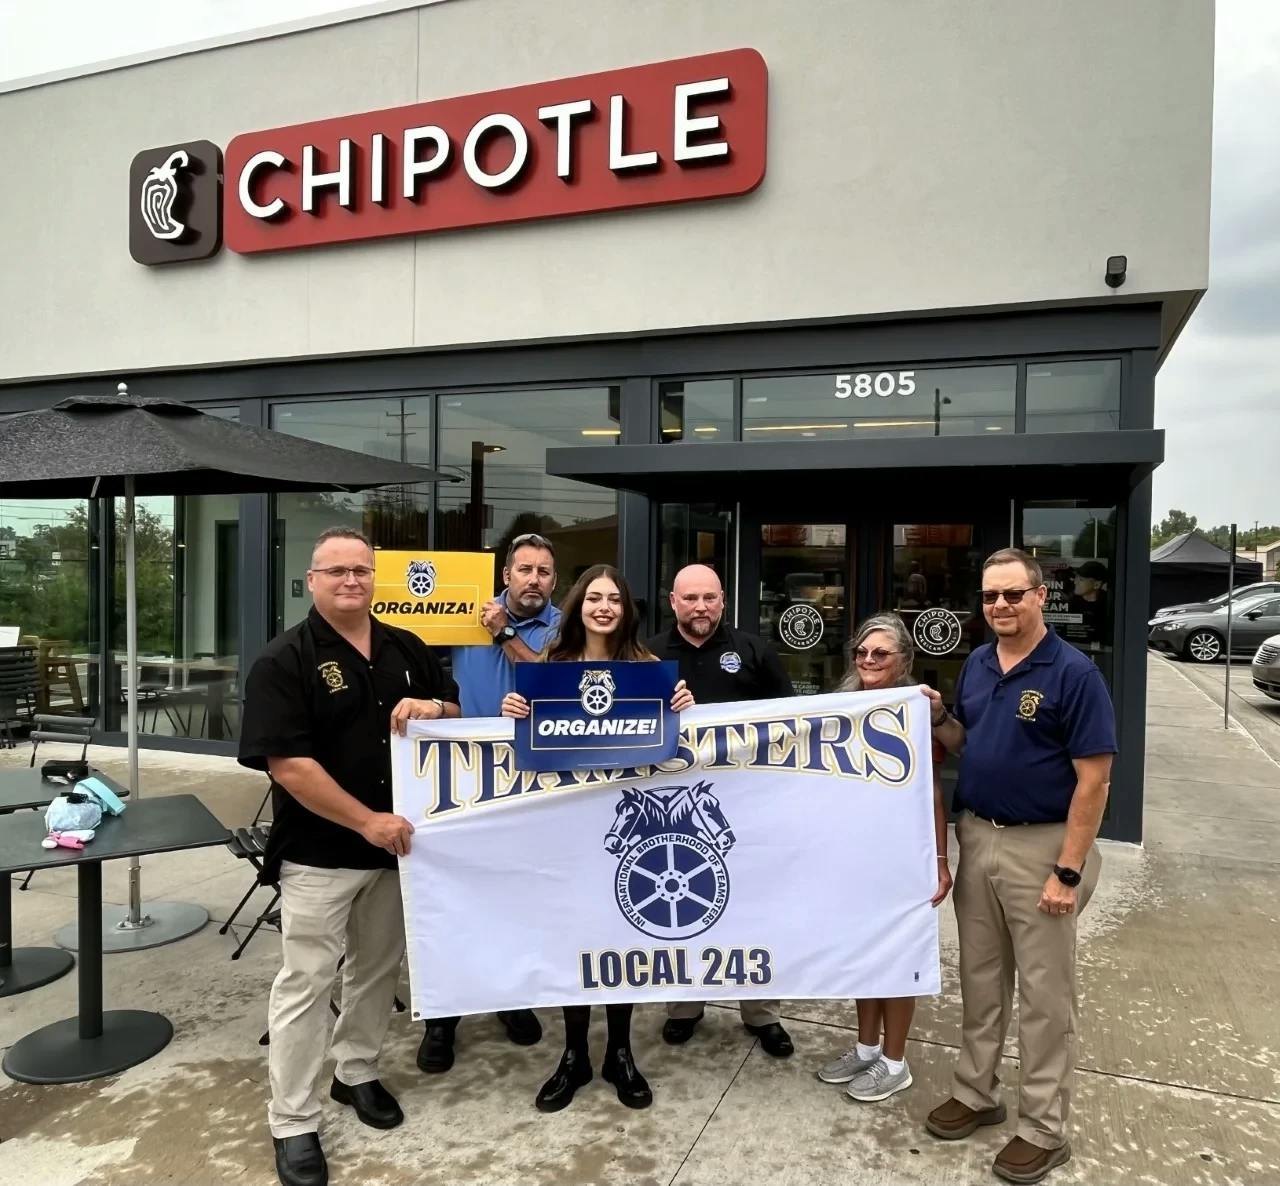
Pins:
<point x="437" y="595"/>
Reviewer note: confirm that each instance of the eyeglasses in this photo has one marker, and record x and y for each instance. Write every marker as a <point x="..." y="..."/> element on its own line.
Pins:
<point x="339" y="572"/>
<point x="1011" y="596"/>
<point x="879" y="655"/>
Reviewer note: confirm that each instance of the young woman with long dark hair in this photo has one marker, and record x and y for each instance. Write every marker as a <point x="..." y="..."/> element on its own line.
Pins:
<point x="599" y="622"/>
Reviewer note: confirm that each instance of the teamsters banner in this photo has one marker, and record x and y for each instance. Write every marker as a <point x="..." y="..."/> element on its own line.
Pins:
<point x="787" y="850"/>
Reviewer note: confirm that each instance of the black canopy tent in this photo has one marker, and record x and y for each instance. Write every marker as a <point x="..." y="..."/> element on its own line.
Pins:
<point x="1192" y="568"/>
<point x="128" y="446"/>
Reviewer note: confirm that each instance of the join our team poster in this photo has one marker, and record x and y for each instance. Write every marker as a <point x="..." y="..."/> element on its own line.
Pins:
<point x="437" y="595"/>
<point x="786" y="850"/>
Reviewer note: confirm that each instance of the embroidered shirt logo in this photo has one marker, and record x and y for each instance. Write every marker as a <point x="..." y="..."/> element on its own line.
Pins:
<point x="331" y="673"/>
<point x="1028" y="705"/>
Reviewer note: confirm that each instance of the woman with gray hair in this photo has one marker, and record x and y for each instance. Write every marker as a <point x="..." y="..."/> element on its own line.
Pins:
<point x="876" y="1067"/>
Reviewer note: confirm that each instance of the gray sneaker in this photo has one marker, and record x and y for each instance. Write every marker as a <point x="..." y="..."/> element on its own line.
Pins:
<point x="877" y="1082"/>
<point x="844" y="1068"/>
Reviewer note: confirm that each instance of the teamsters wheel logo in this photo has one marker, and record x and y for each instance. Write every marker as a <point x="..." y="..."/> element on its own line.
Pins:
<point x="597" y="688"/>
<point x="672" y="881"/>
<point x="936" y="631"/>
<point x="421" y="578"/>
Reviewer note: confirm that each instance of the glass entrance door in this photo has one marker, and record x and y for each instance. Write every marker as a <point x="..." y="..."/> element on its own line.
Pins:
<point x="805" y="579"/>
<point x="936" y="588"/>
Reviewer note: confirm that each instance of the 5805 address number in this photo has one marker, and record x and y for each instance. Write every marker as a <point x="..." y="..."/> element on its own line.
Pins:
<point x="881" y="383"/>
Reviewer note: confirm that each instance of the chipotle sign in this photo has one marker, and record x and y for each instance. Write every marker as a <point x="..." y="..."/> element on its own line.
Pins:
<point x="679" y="131"/>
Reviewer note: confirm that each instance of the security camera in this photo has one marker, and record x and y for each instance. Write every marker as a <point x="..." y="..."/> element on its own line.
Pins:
<point x="1117" y="267"/>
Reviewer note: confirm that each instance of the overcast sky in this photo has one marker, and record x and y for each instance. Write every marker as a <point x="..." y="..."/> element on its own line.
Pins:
<point x="1218" y="394"/>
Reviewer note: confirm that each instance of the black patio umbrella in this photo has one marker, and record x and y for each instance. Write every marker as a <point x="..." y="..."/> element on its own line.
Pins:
<point x="127" y="445"/>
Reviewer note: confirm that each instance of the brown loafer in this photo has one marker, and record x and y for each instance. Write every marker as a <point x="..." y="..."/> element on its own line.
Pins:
<point x="953" y="1121"/>
<point x="1021" y="1161"/>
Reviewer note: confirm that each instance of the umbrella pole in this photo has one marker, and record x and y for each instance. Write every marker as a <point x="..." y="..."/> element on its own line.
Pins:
<point x="128" y="929"/>
<point x="135" y="918"/>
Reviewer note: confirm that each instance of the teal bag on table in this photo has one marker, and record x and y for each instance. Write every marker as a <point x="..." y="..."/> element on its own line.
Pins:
<point x="102" y="794"/>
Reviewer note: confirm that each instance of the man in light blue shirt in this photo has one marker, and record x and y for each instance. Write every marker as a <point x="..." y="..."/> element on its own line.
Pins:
<point x="521" y="621"/>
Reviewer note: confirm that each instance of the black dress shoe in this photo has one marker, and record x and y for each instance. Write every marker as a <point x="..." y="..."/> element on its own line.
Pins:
<point x="374" y="1104"/>
<point x="676" y="1031"/>
<point x="620" y="1069"/>
<point x="300" y="1160"/>
<point x="573" y="1072"/>
<point x="774" y="1039"/>
<point x="522" y="1025"/>
<point x="435" y="1054"/>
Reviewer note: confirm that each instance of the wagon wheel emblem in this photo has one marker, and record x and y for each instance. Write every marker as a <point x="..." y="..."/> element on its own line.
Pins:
<point x="673" y="886"/>
<point x="597" y="700"/>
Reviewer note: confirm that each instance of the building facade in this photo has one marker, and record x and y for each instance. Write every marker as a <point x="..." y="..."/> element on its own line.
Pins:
<point x="836" y="297"/>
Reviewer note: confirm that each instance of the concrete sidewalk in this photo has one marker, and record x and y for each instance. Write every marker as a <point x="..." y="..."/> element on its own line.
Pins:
<point x="1179" y="1078"/>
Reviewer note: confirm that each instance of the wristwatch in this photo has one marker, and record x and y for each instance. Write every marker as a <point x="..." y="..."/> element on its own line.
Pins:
<point x="1069" y="877"/>
<point x="506" y="634"/>
<point x="942" y="720"/>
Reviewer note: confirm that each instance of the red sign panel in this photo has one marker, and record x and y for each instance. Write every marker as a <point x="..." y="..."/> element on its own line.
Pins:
<point x="677" y="131"/>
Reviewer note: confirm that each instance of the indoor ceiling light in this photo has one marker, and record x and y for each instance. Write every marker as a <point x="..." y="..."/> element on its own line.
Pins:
<point x="792" y="427"/>
<point x="601" y="432"/>
<point x="995" y="428"/>
<point x="891" y="423"/>
<point x="706" y="428"/>
<point x="757" y="399"/>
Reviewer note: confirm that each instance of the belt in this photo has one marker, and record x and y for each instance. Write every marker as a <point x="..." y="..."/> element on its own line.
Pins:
<point x="1011" y="823"/>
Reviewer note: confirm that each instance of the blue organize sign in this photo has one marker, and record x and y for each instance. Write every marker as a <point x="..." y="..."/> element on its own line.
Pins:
<point x="589" y="715"/>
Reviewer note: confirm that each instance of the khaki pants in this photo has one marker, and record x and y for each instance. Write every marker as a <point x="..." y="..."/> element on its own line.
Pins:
<point x="324" y="912"/>
<point x="753" y="1012"/>
<point x="998" y="883"/>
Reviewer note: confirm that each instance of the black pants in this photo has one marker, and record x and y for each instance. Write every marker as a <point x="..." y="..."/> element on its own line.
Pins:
<point x="577" y="1020"/>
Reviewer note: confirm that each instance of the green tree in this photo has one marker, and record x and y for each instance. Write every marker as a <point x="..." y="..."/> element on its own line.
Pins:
<point x="1175" y="523"/>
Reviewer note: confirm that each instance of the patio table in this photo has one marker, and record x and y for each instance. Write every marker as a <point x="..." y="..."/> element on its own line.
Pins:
<point x="25" y="968"/>
<point x="96" y="1043"/>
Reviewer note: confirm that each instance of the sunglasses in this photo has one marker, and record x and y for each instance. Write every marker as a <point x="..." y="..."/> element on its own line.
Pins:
<point x="879" y="655"/>
<point x="1011" y="596"/>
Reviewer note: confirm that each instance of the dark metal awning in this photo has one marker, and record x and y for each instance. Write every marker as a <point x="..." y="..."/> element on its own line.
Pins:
<point x="718" y="471"/>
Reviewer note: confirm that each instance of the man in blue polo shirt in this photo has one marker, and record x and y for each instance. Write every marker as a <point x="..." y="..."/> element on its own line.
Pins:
<point x="521" y="621"/>
<point x="1035" y="729"/>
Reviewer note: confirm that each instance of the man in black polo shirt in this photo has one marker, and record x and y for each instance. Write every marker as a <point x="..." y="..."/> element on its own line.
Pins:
<point x="720" y="664"/>
<point x="320" y="703"/>
<point x="1036" y="732"/>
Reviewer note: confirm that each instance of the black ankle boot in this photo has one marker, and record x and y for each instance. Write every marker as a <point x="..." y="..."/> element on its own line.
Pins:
<point x="619" y="1068"/>
<point x="573" y="1072"/>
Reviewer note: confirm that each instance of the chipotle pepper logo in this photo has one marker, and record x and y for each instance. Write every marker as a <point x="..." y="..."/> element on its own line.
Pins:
<point x="175" y="200"/>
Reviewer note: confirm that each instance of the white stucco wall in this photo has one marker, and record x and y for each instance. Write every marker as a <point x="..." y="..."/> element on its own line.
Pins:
<point x="923" y="155"/>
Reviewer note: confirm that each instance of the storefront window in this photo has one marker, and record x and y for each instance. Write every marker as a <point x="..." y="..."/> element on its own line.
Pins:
<point x="1076" y="548"/>
<point x="47" y="570"/>
<point x="700" y="412"/>
<point x="874" y="404"/>
<point x="497" y="443"/>
<point x="693" y="533"/>
<point x="1073" y="396"/>
<point x="397" y="428"/>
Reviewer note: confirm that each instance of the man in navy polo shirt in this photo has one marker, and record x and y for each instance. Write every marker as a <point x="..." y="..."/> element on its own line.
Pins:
<point x="521" y="621"/>
<point x="1036" y="732"/>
